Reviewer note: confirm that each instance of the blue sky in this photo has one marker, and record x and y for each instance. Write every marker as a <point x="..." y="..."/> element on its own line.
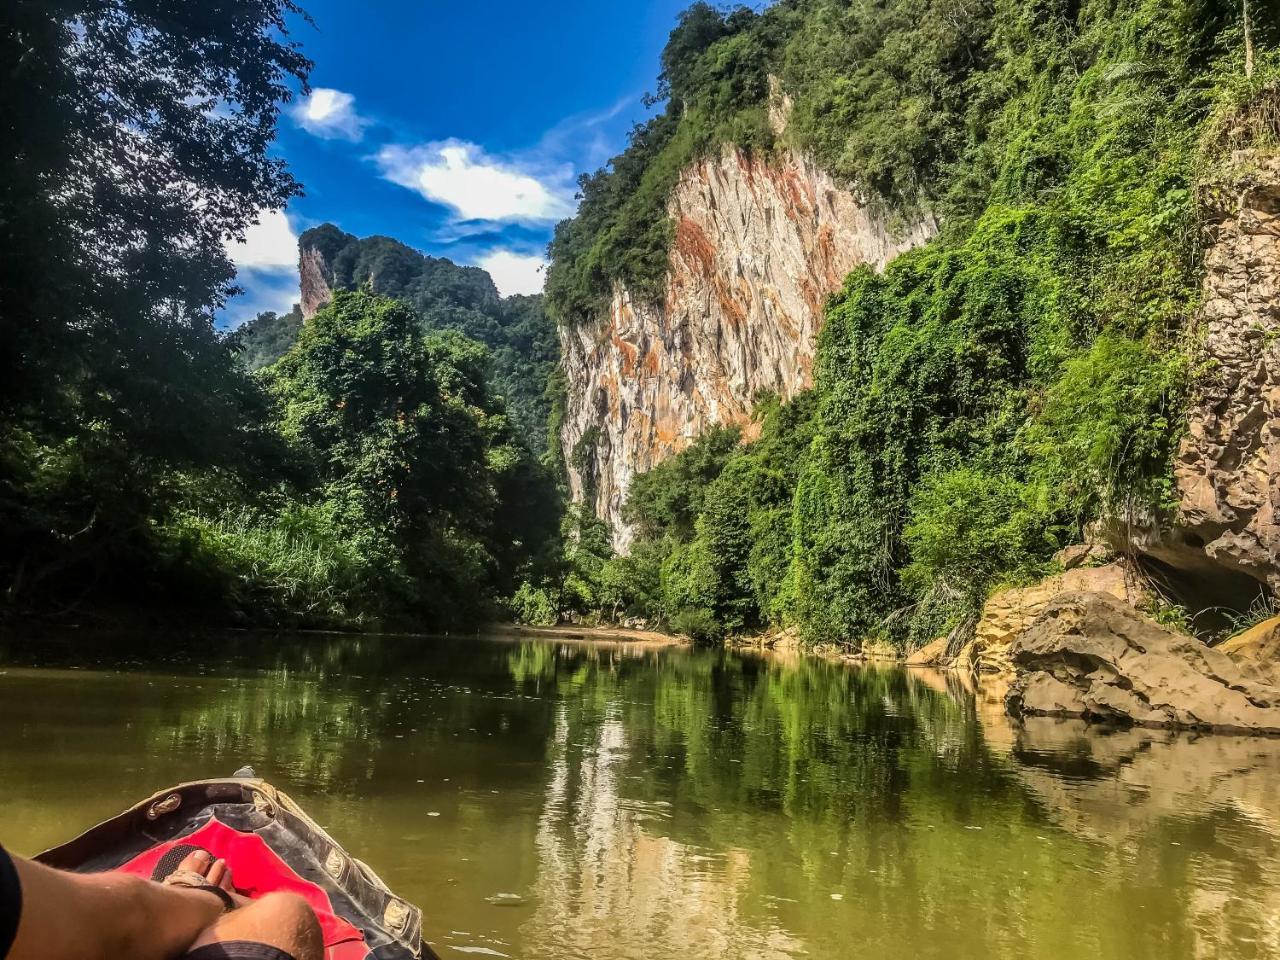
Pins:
<point x="456" y="126"/>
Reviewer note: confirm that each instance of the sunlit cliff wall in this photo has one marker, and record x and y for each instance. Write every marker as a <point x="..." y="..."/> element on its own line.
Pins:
<point x="759" y="245"/>
<point x="1229" y="462"/>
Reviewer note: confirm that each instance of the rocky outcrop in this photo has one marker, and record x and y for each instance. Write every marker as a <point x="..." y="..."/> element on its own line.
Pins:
<point x="315" y="277"/>
<point x="1228" y="464"/>
<point x="932" y="654"/>
<point x="1009" y="612"/>
<point x="759" y="245"/>
<point x="1091" y="655"/>
<point x="1257" y="650"/>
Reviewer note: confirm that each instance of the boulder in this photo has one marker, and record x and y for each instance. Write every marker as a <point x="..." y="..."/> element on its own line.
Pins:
<point x="969" y="658"/>
<point x="1009" y="612"/>
<point x="1092" y="655"/>
<point x="930" y="655"/>
<point x="879" y="650"/>
<point x="1080" y="554"/>
<point x="1257" y="650"/>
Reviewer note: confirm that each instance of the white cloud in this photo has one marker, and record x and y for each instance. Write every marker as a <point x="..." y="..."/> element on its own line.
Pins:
<point x="476" y="186"/>
<point x="266" y="269"/>
<point x="330" y="114"/>
<point x="270" y="244"/>
<point x="514" y="272"/>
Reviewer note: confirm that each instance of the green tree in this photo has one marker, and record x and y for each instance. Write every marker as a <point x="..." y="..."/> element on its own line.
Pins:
<point x="523" y="345"/>
<point x="267" y="337"/>
<point x="136" y="138"/>
<point x="671" y="495"/>
<point x="407" y="444"/>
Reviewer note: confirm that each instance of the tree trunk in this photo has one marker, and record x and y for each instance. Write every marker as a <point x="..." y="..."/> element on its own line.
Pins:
<point x="1248" y="41"/>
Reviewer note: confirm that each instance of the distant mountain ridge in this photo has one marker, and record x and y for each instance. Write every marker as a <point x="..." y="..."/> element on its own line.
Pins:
<point x="330" y="259"/>
<point x="446" y="296"/>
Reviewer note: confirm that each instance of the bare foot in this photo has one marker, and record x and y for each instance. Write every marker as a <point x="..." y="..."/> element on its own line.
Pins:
<point x="215" y="871"/>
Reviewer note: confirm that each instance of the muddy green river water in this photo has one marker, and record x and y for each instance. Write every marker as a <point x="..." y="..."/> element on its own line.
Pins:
<point x="642" y="802"/>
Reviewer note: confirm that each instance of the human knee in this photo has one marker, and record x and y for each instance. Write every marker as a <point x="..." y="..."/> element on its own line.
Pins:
<point x="286" y="904"/>
<point x="292" y="913"/>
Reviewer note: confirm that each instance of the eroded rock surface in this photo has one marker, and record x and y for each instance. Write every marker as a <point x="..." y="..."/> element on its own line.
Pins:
<point x="930" y="655"/>
<point x="1008" y="613"/>
<point x="315" y="280"/>
<point x="1257" y="650"/>
<point x="1228" y="464"/>
<point x="1091" y="655"/>
<point x="759" y="246"/>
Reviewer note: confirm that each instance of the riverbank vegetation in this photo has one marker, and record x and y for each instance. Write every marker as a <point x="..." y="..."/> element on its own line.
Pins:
<point x="988" y="396"/>
<point x="975" y="406"/>
<point x="372" y="473"/>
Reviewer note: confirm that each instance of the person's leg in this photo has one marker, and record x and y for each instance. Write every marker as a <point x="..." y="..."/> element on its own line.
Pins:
<point x="283" y="921"/>
<point x="104" y="916"/>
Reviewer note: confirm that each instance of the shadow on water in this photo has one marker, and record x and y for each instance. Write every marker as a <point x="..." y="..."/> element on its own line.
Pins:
<point x="546" y="798"/>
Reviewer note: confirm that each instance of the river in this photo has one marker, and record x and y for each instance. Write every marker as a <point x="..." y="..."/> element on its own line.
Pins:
<point x="637" y="801"/>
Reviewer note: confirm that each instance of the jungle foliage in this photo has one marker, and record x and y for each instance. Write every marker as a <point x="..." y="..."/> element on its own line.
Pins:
<point x="988" y="395"/>
<point x="522" y="342"/>
<point x="372" y="472"/>
<point x="268" y="337"/>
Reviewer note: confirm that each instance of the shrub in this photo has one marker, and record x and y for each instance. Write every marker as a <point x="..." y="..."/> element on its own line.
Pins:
<point x="534" y="606"/>
<point x="698" y="624"/>
<point x="294" y="566"/>
<point x="1107" y="429"/>
<point x="971" y="529"/>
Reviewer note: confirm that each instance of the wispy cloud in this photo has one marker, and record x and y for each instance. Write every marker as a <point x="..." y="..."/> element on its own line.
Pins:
<point x="583" y="137"/>
<point x="477" y="186"/>
<point x="514" y="272"/>
<point x="330" y="114"/>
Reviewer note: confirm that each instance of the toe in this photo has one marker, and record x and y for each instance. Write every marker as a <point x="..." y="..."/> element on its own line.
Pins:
<point x="198" y="861"/>
<point x="217" y="870"/>
<point x="226" y="882"/>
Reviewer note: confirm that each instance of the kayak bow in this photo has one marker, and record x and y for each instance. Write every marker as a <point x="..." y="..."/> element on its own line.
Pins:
<point x="270" y="844"/>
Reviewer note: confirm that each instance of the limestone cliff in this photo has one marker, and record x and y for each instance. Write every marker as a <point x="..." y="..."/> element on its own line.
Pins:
<point x="1223" y="545"/>
<point x="315" y="277"/>
<point x="759" y="245"/>
<point x="1230" y="460"/>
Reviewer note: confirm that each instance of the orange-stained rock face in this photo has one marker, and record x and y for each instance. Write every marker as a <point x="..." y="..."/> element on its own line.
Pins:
<point x="759" y="246"/>
<point x="315" y="277"/>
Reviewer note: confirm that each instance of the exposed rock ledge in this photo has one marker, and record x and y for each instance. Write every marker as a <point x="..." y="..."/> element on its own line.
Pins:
<point x="1091" y="655"/>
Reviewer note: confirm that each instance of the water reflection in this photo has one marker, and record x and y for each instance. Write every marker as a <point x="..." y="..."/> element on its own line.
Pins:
<point x="560" y="799"/>
<point x="1180" y="808"/>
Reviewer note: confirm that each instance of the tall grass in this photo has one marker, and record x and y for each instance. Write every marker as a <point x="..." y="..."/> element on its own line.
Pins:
<point x="293" y="565"/>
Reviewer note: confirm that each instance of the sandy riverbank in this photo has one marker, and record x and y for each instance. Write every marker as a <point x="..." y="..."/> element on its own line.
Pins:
<point x="574" y="632"/>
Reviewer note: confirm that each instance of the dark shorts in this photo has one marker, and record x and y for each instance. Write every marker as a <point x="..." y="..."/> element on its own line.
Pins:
<point x="237" y="950"/>
<point x="10" y="903"/>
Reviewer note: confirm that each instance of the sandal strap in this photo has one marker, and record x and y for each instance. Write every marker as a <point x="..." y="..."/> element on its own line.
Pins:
<point x="185" y="878"/>
<point x="194" y="881"/>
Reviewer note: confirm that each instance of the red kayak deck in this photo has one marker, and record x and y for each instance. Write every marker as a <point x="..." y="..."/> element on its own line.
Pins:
<point x="271" y="845"/>
<point x="256" y="869"/>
